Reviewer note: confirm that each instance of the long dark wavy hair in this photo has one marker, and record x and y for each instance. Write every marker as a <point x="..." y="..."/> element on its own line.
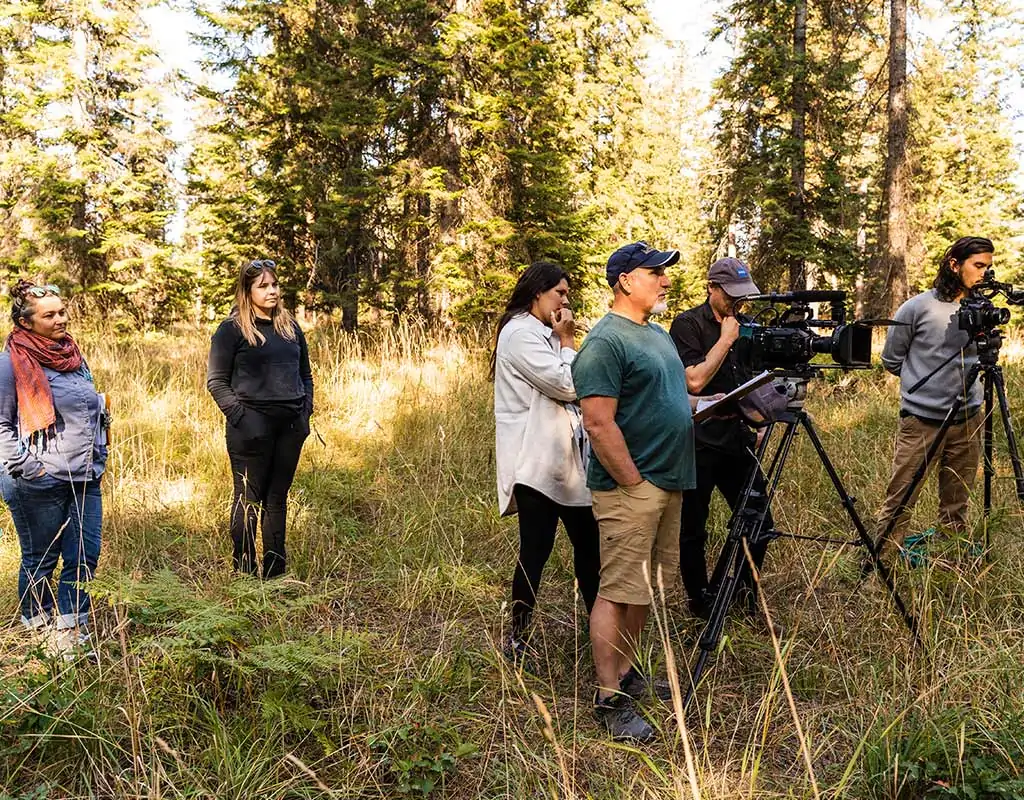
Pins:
<point x="536" y="279"/>
<point x="947" y="282"/>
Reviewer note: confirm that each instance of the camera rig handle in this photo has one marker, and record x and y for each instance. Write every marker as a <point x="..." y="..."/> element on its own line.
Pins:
<point x="801" y="300"/>
<point x="988" y="287"/>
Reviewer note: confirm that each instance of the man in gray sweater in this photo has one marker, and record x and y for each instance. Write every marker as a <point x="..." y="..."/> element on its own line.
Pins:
<point x="928" y="337"/>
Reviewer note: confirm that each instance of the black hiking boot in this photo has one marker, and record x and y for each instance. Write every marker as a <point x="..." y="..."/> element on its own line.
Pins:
<point x="618" y="715"/>
<point x="635" y="684"/>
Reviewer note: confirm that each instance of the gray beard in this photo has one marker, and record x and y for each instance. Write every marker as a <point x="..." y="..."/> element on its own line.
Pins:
<point x="659" y="308"/>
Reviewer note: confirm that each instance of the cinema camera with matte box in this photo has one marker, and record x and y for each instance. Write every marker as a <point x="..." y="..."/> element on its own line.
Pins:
<point x="785" y="339"/>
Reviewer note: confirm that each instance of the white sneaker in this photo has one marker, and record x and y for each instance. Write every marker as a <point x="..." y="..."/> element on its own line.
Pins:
<point x="70" y="644"/>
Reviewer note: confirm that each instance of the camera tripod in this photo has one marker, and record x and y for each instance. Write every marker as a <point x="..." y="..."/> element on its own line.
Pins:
<point x="747" y="528"/>
<point x="994" y="388"/>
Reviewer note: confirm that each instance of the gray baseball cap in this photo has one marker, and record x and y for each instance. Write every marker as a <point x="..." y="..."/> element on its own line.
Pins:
<point x="733" y="276"/>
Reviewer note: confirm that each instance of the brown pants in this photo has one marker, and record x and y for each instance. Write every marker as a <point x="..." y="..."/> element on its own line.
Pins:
<point x="957" y="458"/>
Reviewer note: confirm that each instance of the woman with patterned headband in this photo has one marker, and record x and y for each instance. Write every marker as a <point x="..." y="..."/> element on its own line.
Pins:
<point x="54" y="450"/>
<point x="259" y="375"/>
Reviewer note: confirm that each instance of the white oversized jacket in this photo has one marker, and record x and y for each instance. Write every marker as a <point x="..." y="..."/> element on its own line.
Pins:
<point x="538" y="428"/>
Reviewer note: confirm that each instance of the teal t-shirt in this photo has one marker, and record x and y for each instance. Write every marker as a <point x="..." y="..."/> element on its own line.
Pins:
<point x="639" y="365"/>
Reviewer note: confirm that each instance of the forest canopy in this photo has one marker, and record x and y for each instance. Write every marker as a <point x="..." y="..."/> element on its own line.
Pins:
<point x="405" y="159"/>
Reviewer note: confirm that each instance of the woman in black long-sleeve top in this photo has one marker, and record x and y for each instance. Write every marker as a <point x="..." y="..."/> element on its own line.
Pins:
<point x="259" y="375"/>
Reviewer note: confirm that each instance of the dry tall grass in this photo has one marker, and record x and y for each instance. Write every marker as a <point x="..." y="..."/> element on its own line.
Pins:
<point x="372" y="670"/>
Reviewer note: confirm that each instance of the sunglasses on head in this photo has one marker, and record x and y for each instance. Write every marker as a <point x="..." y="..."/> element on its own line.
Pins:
<point x="42" y="291"/>
<point x="260" y="264"/>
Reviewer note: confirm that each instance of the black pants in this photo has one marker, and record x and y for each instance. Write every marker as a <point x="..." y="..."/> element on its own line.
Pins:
<point x="728" y="471"/>
<point x="538" y="521"/>
<point x="264" y="453"/>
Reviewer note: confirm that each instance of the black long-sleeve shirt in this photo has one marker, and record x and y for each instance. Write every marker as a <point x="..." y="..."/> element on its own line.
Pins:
<point x="695" y="332"/>
<point x="273" y="377"/>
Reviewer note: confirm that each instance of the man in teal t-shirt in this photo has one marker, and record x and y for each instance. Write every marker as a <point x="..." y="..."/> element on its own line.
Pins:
<point x="633" y="362"/>
<point x="636" y="410"/>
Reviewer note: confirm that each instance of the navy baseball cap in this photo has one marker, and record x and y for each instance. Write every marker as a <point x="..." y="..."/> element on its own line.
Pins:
<point x="639" y="254"/>
<point x="733" y="276"/>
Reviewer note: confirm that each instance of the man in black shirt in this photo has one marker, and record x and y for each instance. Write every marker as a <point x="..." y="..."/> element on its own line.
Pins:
<point x="724" y="446"/>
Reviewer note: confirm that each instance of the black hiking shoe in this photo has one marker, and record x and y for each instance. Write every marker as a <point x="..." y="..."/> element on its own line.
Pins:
<point x="517" y="652"/>
<point x="635" y="684"/>
<point x="702" y="605"/>
<point x="618" y="715"/>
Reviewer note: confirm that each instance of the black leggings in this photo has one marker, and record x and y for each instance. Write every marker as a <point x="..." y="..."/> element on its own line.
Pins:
<point x="538" y="521"/>
<point x="264" y="454"/>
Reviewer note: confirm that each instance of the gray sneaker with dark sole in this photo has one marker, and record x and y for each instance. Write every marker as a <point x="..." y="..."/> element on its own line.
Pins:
<point x="618" y="715"/>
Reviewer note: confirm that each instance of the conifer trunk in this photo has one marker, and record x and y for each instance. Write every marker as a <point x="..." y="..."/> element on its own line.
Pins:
<point x="890" y="268"/>
<point x="798" y="213"/>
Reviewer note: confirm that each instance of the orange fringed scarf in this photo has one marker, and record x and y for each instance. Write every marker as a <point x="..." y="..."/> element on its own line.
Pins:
<point x="30" y="352"/>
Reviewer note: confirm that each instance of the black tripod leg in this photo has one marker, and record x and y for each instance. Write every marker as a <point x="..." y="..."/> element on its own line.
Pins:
<point x="995" y="376"/>
<point x="1011" y="438"/>
<point x="718" y="572"/>
<point x="986" y="443"/>
<point x="873" y="551"/>
<point x="729" y="569"/>
<point x="746" y="523"/>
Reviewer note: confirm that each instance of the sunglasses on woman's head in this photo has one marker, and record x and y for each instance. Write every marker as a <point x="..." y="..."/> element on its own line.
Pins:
<point x="42" y="291"/>
<point x="259" y="265"/>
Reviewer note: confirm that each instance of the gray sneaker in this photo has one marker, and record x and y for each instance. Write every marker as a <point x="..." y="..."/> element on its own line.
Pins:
<point x="635" y="684"/>
<point x="618" y="715"/>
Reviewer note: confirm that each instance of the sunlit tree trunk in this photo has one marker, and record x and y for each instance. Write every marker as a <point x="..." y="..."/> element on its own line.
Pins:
<point x="798" y="212"/>
<point x="890" y="267"/>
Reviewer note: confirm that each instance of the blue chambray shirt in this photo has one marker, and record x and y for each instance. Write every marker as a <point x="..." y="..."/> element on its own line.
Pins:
<point x="74" y="449"/>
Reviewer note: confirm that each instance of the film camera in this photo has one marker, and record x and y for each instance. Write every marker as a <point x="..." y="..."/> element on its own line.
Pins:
<point x="977" y="314"/>
<point x="785" y="338"/>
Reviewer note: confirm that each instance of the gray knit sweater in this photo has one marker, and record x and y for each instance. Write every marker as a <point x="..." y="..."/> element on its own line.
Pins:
<point x="913" y="350"/>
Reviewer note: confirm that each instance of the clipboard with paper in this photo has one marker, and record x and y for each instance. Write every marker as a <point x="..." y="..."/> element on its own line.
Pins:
<point x="707" y="408"/>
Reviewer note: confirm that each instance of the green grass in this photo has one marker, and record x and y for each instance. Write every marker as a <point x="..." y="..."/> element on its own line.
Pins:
<point x="372" y="670"/>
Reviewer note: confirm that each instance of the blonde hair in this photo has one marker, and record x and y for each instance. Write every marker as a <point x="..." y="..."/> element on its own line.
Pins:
<point x="245" y="314"/>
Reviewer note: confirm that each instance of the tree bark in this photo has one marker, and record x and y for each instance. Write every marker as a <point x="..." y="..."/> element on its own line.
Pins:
<point x="423" y="304"/>
<point x="890" y="268"/>
<point x="798" y="173"/>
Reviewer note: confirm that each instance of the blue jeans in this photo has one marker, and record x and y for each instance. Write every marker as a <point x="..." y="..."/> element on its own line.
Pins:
<point x="55" y="519"/>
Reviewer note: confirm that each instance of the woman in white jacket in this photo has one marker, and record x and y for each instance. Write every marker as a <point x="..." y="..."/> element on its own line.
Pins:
<point x="540" y="446"/>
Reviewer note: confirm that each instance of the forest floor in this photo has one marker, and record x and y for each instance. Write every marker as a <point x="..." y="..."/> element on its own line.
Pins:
<point x="373" y="669"/>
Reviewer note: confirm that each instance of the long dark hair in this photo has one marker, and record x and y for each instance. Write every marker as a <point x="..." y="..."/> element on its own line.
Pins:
<point x="536" y="279"/>
<point x="947" y="282"/>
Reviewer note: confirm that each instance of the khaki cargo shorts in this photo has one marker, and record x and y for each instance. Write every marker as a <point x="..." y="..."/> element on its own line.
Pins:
<point x="639" y="526"/>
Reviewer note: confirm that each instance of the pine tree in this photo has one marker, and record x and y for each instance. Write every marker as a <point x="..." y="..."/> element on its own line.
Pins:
<point x="402" y="155"/>
<point x="963" y="168"/>
<point x="789" y="138"/>
<point x="88" y="154"/>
